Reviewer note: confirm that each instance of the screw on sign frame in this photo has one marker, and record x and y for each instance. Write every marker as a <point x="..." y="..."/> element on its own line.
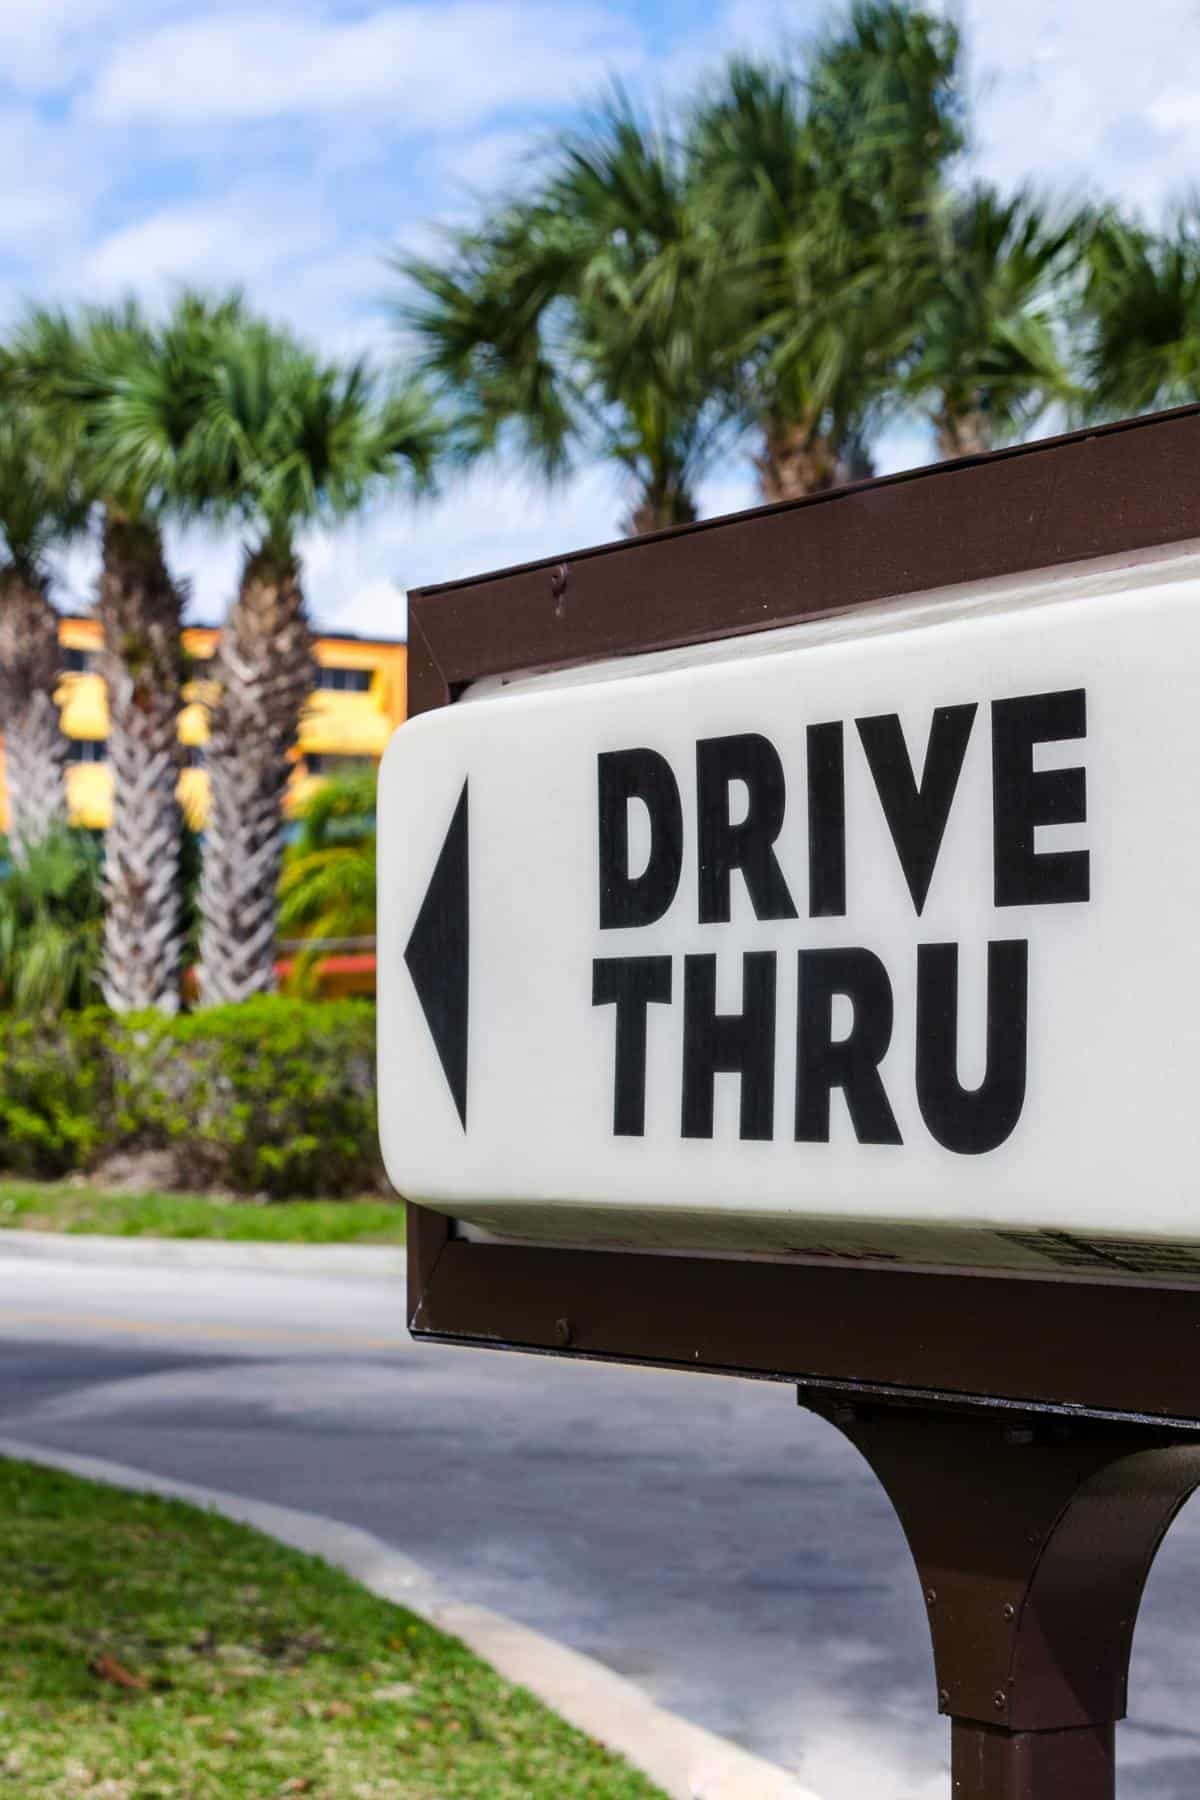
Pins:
<point x="1036" y="1433"/>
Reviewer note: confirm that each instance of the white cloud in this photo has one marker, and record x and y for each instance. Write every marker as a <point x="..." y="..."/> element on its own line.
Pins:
<point x="488" y="160"/>
<point x="1176" y="110"/>
<point x="339" y="298"/>
<point x="282" y="241"/>
<point x="378" y="609"/>
<point x="425" y="67"/>
<point x="49" y="182"/>
<point x="1087" y="94"/>
<point x="743" y="27"/>
<point x="46" y="43"/>
<point x="250" y="234"/>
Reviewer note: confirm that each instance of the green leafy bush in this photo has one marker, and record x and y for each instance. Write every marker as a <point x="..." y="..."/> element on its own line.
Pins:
<point x="55" y="1092"/>
<point x="274" y="1097"/>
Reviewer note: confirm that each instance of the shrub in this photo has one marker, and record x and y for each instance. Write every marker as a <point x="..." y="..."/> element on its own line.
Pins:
<point x="274" y="1097"/>
<point x="55" y="1092"/>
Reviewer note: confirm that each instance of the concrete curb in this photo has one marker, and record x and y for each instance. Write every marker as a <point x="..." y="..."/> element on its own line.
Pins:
<point x="378" y="1260"/>
<point x="686" y="1761"/>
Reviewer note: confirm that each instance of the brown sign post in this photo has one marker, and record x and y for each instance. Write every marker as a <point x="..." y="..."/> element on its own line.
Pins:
<point x="1036" y="1427"/>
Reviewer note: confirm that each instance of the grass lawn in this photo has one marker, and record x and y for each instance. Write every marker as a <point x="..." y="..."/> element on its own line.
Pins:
<point x="150" y="1651"/>
<point x="48" y="1206"/>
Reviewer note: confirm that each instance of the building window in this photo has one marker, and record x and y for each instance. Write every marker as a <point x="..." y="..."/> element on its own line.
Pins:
<point x="87" y="750"/>
<point x="345" y="681"/>
<point x="324" y="762"/>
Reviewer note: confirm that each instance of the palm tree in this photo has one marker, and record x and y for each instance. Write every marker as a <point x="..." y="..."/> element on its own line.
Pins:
<point x="817" y="185"/>
<point x="290" y="441"/>
<point x="585" y="320"/>
<point x="42" y="506"/>
<point x="1141" y="310"/>
<point x="128" y="395"/>
<point x="327" y="888"/>
<point x="989" y="359"/>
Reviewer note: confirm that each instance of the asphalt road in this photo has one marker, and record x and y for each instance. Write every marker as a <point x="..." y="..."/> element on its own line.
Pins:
<point x="704" y="1537"/>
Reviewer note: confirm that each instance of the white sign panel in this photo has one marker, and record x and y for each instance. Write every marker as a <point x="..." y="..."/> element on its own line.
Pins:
<point x="831" y="937"/>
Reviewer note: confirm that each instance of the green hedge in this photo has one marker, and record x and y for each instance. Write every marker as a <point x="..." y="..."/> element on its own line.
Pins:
<point x="275" y="1097"/>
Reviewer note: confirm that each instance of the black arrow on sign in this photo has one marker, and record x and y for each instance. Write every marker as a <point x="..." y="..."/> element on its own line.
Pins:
<point x="438" y="956"/>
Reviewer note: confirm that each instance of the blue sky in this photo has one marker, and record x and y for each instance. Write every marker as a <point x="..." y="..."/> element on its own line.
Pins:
<point x="288" y="144"/>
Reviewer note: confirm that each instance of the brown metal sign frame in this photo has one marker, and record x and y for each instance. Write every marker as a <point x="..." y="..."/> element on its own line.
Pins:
<point x="1036" y="1434"/>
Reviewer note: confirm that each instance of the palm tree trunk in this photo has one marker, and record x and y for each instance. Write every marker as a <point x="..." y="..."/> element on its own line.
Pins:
<point x="141" y="611"/>
<point x="35" y="750"/>
<point x="856" y="462"/>
<point x="263" y="673"/>
<point x="657" y="508"/>
<point x="795" y="462"/>
<point x="963" y="433"/>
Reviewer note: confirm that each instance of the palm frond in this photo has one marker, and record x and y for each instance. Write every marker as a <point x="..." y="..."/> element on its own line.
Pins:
<point x="44" y="498"/>
<point x="287" y="439"/>
<point x="127" y="395"/>
<point x="1141" y="315"/>
<point x="51" y="920"/>
<point x="327" y="888"/>
<point x="341" y="810"/>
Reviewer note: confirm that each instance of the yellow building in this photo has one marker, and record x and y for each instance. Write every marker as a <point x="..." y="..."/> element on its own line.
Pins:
<point x="360" y="697"/>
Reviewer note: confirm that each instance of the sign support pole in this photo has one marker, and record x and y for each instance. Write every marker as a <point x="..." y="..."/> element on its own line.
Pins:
<point x="1033" y="1537"/>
